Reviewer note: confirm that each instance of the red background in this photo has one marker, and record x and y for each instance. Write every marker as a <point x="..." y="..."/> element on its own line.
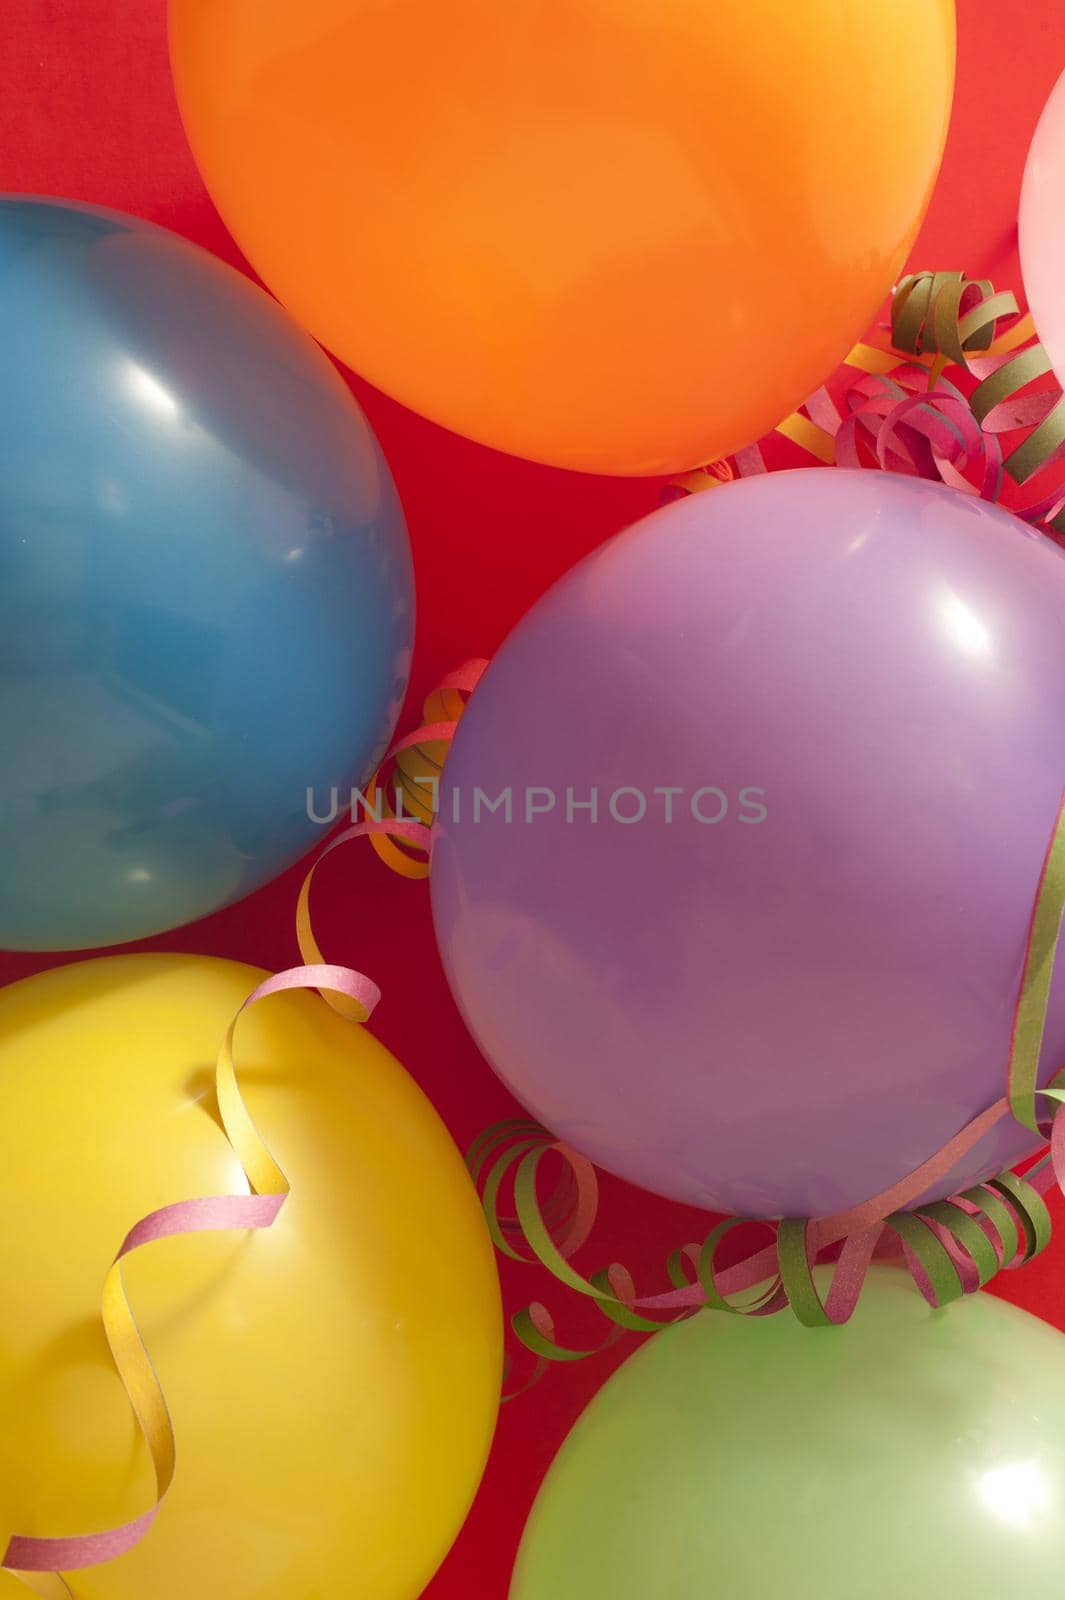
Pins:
<point x="87" y="111"/>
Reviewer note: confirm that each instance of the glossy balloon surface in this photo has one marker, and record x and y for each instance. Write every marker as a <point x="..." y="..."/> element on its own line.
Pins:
<point x="1042" y="228"/>
<point x="333" y="1381"/>
<point x="792" y="994"/>
<point x="206" y="601"/>
<point x="910" y="1453"/>
<point x="619" y="235"/>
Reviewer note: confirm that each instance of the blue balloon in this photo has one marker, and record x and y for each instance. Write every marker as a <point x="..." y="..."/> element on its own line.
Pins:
<point x="206" y="598"/>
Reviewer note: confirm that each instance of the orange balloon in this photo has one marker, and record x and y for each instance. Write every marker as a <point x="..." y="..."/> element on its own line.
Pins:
<point x="625" y="236"/>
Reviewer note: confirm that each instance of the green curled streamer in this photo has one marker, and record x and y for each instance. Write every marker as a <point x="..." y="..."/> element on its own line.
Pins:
<point x="524" y="1149"/>
<point x="599" y="1289"/>
<point x="715" y="1300"/>
<point x="524" y="1325"/>
<point x="927" y="316"/>
<point x="796" y="1271"/>
<point x="954" y="318"/>
<point x="1032" y="1210"/>
<point x="615" y="1308"/>
<point x="1016" y="1216"/>
<point x="675" y="1265"/>
<point x="1000" y="1217"/>
<point x="967" y="1232"/>
<point x="1014" y="1211"/>
<point x="942" y="1274"/>
<point x="1001" y="1223"/>
<point x="486" y="1144"/>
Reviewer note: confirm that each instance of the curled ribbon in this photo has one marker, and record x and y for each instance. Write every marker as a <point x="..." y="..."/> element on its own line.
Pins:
<point x="951" y="1247"/>
<point x="38" y="1562"/>
<point x="402" y="800"/>
<point x="416" y="764"/>
<point x="907" y="416"/>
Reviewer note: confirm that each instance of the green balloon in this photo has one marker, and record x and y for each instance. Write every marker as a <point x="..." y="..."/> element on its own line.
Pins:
<point x="912" y="1453"/>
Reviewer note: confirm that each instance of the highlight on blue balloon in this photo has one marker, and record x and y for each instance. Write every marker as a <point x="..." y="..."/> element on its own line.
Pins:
<point x="206" y="597"/>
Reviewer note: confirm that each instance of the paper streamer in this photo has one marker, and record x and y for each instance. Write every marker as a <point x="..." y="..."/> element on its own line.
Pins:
<point x="952" y="1247"/>
<point x="40" y="1561"/>
<point x="908" y="416"/>
<point x="402" y="801"/>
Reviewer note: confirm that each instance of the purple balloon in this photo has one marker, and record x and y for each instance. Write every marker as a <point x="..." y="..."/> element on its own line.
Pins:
<point x="794" y="992"/>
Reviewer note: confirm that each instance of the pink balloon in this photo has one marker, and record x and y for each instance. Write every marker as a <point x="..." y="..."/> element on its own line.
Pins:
<point x="1043" y="229"/>
<point x="820" y="715"/>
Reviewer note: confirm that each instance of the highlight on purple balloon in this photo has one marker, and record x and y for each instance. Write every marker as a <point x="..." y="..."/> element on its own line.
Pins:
<point x="740" y="835"/>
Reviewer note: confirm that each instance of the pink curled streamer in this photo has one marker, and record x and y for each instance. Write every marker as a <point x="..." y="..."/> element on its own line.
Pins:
<point x="28" y="1555"/>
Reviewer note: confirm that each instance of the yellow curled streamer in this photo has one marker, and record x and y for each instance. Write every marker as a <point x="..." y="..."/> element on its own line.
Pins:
<point x="940" y="319"/>
<point x="402" y="811"/>
<point x="38" y="1562"/>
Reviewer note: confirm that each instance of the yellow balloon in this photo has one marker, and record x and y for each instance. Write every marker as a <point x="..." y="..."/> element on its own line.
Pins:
<point x="333" y="1380"/>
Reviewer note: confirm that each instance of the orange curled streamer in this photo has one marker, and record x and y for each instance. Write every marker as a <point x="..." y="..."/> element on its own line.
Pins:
<point x="401" y="802"/>
<point x="418" y="762"/>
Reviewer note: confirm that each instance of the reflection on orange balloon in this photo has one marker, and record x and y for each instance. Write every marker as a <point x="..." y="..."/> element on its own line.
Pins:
<point x="619" y="235"/>
<point x="333" y="1380"/>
